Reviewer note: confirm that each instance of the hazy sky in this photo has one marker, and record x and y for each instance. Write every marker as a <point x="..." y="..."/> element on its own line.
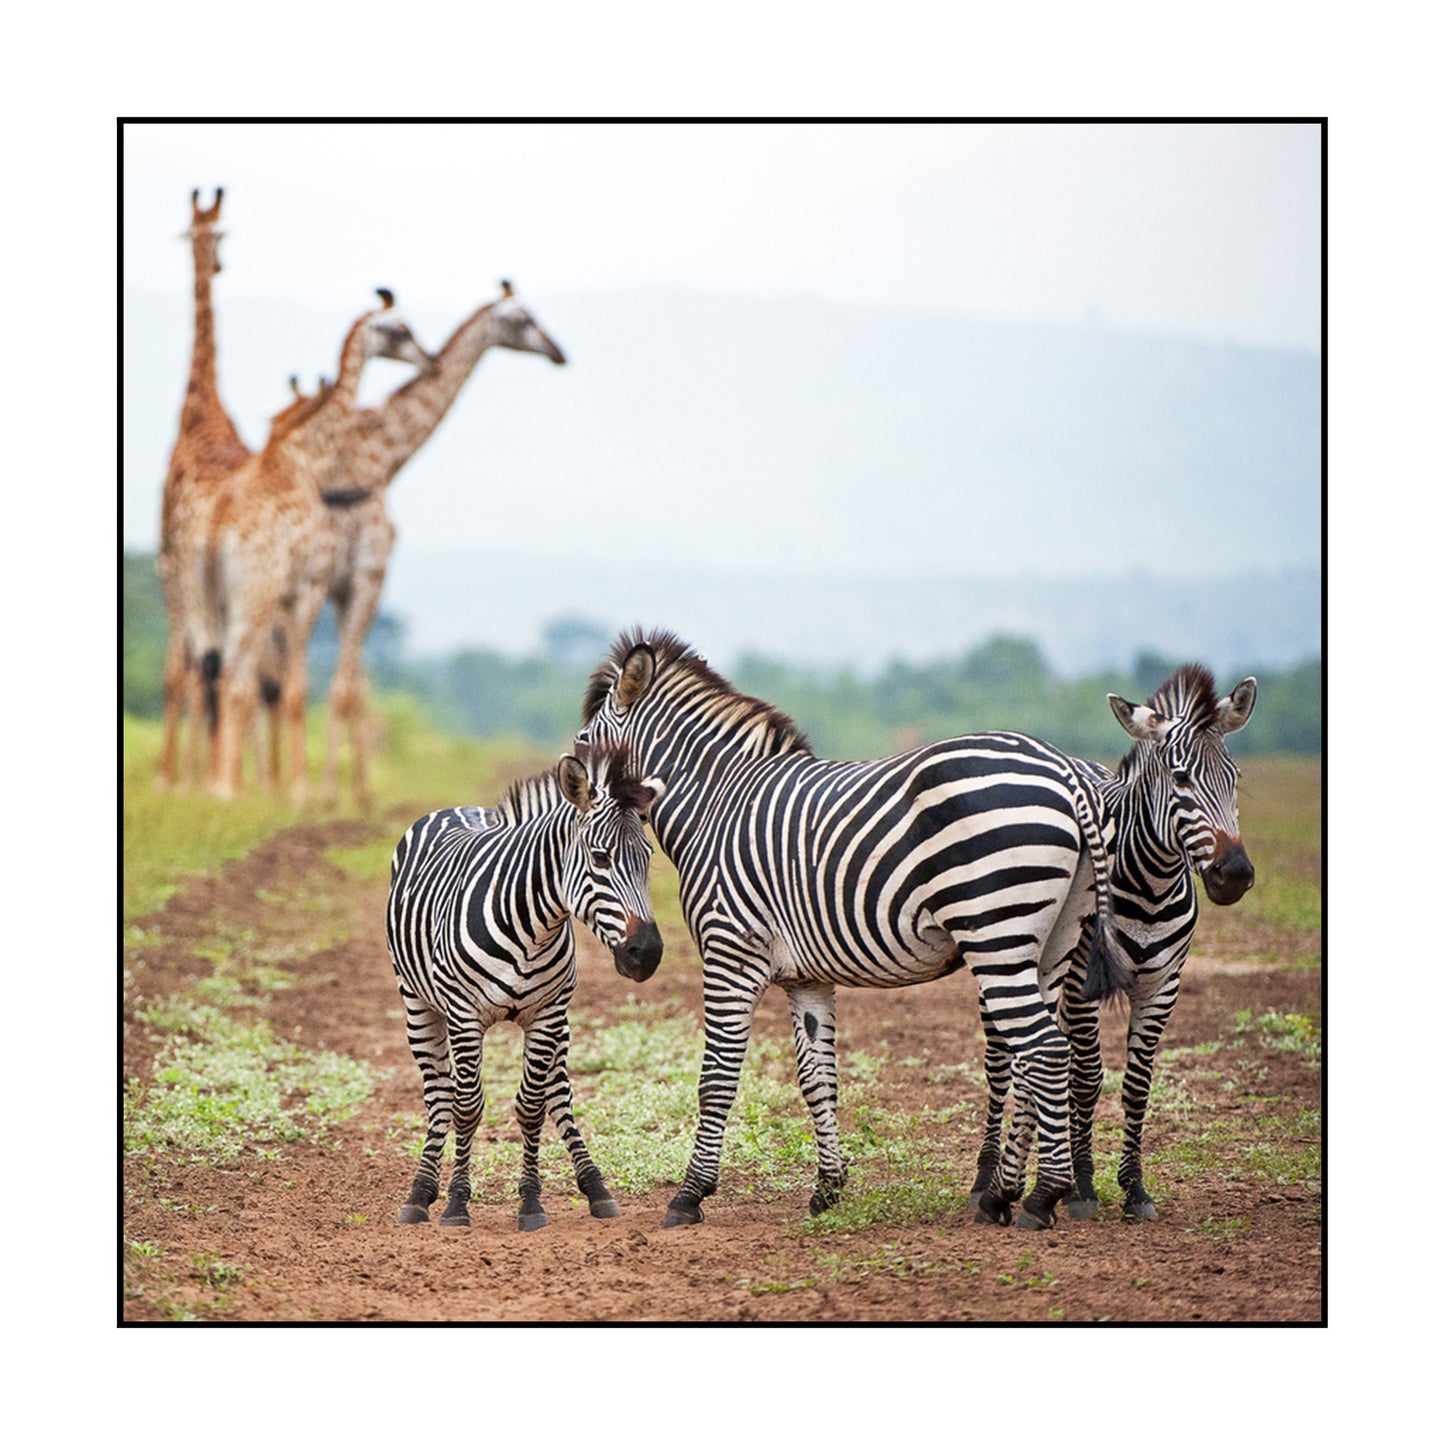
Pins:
<point x="1207" y="230"/>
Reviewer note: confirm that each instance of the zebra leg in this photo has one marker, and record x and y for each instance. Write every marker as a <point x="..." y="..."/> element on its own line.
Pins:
<point x="426" y="1032"/>
<point x="1146" y="1028"/>
<point x="1080" y="1021"/>
<point x="538" y="1053"/>
<point x="600" y="1203"/>
<point x="815" y="1042"/>
<point x="733" y="979"/>
<point x="1015" y="1162"/>
<point x="466" y="1116"/>
<point x="998" y="1068"/>
<point x="1009" y="996"/>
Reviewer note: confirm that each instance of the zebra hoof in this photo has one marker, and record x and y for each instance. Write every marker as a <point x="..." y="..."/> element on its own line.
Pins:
<point x="529" y="1222"/>
<point x="1033" y="1222"/>
<point x="460" y="1220"/>
<point x="1137" y="1204"/>
<point x="675" y="1216"/>
<point x="993" y="1210"/>
<point x="413" y="1214"/>
<point x="604" y="1209"/>
<point x="1083" y="1208"/>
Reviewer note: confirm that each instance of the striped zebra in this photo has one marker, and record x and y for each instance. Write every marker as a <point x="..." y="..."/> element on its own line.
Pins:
<point x="805" y="873"/>
<point x="479" y="928"/>
<point x="1171" y="810"/>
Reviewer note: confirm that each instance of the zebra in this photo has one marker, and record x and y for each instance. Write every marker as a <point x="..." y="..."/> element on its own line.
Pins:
<point x="805" y="873"/>
<point x="1171" y="809"/>
<point x="478" y="924"/>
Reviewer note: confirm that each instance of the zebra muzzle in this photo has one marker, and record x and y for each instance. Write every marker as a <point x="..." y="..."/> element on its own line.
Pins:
<point x="1229" y="875"/>
<point x="638" y="955"/>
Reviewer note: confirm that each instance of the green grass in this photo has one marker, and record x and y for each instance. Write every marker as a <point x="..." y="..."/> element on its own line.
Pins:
<point x="222" y="1084"/>
<point x="168" y="837"/>
<point x="1280" y="821"/>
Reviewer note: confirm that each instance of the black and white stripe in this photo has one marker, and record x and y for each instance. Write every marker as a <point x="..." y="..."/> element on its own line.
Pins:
<point x="1171" y="810"/>
<point x="479" y="928"/>
<point x="980" y="851"/>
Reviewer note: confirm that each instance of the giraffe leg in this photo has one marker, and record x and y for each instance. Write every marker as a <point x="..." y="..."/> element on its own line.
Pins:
<point x="356" y="610"/>
<point x="174" y="685"/>
<point x="237" y="704"/>
<point x="299" y="626"/>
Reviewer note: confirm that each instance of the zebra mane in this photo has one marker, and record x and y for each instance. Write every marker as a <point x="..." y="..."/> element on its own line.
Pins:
<point x="1189" y="694"/>
<point x="611" y="769"/>
<point x="675" y="655"/>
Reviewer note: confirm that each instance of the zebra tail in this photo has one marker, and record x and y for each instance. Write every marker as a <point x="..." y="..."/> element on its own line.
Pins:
<point x="1108" y="975"/>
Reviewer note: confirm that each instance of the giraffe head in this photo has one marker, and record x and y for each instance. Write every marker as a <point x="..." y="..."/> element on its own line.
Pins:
<point x="203" y="228"/>
<point x="388" y="335"/>
<point x="303" y="406"/>
<point x="514" y="328"/>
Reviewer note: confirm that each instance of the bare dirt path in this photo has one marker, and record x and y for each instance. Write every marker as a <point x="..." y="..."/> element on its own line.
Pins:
<point x="311" y="1236"/>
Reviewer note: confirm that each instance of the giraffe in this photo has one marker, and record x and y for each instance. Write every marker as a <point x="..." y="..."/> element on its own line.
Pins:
<point x="207" y="452"/>
<point x="378" y="442"/>
<point x="270" y="553"/>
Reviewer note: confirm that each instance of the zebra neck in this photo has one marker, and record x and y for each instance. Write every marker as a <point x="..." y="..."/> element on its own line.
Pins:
<point x="1146" y="864"/>
<point x="536" y="890"/>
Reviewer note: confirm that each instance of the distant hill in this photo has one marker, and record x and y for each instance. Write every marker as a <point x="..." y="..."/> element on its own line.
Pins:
<point x="816" y="480"/>
<point x="490" y="599"/>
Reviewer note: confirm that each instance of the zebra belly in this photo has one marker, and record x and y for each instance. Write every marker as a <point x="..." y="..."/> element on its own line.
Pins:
<point x="919" y="954"/>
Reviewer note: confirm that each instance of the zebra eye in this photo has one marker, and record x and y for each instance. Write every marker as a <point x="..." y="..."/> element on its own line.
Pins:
<point x="601" y="859"/>
<point x="1181" y="778"/>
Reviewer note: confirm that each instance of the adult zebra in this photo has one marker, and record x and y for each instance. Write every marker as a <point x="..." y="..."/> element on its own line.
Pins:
<point x="808" y="874"/>
<point x="479" y="928"/>
<point x="1172" y="810"/>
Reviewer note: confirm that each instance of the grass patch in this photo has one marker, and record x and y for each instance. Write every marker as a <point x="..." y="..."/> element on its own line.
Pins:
<point x="222" y="1084"/>
<point x="168" y="837"/>
<point x="1290" y="1033"/>
<point x="1280" y="815"/>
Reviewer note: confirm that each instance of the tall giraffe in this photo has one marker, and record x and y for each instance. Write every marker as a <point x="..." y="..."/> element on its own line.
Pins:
<point x="378" y="442"/>
<point x="207" y="452"/>
<point x="271" y="552"/>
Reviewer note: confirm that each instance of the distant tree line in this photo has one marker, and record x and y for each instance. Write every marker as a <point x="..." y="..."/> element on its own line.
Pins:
<point x="1004" y="683"/>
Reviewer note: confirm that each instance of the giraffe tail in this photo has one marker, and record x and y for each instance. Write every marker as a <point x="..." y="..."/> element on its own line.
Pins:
<point x="210" y="681"/>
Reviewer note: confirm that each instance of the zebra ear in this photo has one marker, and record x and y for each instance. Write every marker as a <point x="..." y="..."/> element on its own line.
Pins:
<point x="636" y="676"/>
<point x="575" y="784"/>
<point x="656" y="787"/>
<point x="1235" y="709"/>
<point x="1140" y="722"/>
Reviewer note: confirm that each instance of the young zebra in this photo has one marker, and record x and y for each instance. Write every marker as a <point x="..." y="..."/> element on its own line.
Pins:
<point x="479" y="928"/>
<point x="1171" y="810"/>
<point x="808" y="874"/>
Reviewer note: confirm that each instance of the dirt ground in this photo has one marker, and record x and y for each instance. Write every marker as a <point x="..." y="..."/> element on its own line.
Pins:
<point x="314" y="1230"/>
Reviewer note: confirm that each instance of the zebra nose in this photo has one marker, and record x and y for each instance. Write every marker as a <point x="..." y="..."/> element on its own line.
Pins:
<point x="638" y="955"/>
<point x="1228" y="878"/>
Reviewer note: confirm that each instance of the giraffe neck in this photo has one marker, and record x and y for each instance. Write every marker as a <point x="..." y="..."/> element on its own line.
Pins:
<point x="317" y="436"/>
<point x="396" y="429"/>
<point x="202" y="408"/>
